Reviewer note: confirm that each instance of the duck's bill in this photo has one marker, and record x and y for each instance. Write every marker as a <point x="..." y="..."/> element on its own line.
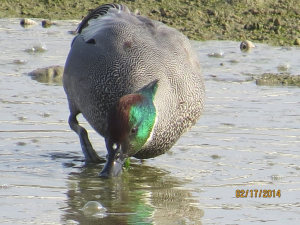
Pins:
<point x="113" y="166"/>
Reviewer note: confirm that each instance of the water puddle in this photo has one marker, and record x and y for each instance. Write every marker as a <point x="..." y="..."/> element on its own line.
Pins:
<point x="247" y="139"/>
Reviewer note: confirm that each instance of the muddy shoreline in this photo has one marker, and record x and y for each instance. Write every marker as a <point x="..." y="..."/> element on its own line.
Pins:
<point x="265" y="21"/>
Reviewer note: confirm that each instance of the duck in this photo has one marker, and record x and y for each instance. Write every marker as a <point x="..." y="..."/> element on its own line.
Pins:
<point x="136" y="81"/>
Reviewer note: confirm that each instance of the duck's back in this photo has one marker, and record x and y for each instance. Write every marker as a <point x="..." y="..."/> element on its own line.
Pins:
<point x="119" y="53"/>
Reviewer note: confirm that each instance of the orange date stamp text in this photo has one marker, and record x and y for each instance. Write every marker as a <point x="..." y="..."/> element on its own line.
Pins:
<point x="257" y="193"/>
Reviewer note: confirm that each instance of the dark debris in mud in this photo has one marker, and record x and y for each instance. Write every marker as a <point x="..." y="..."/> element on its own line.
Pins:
<point x="278" y="79"/>
<point x="48" y="75"/>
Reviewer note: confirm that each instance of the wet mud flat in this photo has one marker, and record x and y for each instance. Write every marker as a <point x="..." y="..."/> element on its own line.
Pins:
<point x="247" y="139"/>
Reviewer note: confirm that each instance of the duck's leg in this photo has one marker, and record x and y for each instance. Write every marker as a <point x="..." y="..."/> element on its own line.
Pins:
<point x="90" y="154"/>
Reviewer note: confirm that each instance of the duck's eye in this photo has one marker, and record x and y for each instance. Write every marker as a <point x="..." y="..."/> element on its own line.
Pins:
<point x="134" y="130"/>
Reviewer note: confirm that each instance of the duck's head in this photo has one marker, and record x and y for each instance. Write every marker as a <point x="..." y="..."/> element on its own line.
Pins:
<point x="130" y="123"/>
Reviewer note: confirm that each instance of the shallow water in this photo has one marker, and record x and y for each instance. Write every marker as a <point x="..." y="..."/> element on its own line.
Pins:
<point x="248" y="138"/>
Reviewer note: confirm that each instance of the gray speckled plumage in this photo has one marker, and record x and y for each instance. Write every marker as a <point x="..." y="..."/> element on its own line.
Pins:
<point x="116" y="53"/>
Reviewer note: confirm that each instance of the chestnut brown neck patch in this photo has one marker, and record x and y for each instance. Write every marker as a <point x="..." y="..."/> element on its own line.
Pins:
<point x="118" y="120"/>
<point x="132" y="118"/>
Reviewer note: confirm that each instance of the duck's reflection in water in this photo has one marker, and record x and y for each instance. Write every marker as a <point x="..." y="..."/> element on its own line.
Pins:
<point x="144" y="195"/>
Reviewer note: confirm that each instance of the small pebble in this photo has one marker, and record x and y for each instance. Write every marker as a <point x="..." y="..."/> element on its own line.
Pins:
<point x="34" y="140"/>
<point x="288" y="48"/>
<point x="46" y="114"/>
<point x="297" y="167"/>
<point x="71" y="222"/>
<point x="21" y="143"/>
<point x="20" y="61"/>
<point x="284" y="67"/>
<point x="276" y="177"/>
<point x="4" y="186"/>
<point x="233" y="61"/>
<point x="27" y="22"/>
<point x="22" y="118"/>
<point x="39" y="47"/>
<point x="246" y="46"/>
<point x="47" y="23"/>
<point x="218" y="54"/>
<point x="215" y="157"/>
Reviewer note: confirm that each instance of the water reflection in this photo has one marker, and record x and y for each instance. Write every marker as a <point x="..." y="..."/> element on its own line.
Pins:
<point x="142" y="195"/>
